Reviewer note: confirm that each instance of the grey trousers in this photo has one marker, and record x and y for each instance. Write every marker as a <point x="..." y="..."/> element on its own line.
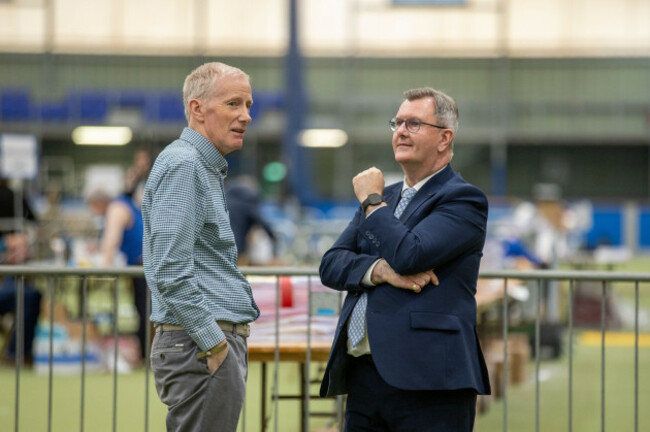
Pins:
<point x="196" y="400"/>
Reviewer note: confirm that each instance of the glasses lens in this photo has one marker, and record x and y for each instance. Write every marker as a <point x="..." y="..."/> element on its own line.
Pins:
<point x="392" y="124"/>
<point x="413" y="125"/>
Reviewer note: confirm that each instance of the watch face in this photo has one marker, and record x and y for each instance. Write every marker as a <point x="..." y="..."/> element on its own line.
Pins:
<point x="373" y="199"/>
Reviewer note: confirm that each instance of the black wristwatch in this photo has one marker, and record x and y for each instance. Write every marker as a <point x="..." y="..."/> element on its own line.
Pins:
<point x="373" y="199"/>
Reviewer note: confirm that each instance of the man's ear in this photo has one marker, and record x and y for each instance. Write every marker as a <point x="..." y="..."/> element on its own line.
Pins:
<point x="196" y="109"/>
<point x="445" y="142"/>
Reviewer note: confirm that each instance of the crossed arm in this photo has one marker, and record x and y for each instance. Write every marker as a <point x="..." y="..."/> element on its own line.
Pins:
<point x="383" y="273"/>
<point x="406" y="256"/>
<point x="372" y="181"/>
<point x="345" y="250"/>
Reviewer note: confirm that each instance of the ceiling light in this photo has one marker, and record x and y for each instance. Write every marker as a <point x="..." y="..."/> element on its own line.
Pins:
<point x="102" y="135"/>
<point x="323" y="138"/>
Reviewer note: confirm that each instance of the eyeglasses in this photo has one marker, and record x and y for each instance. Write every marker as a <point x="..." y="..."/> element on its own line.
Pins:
<point x="412" y="125"/>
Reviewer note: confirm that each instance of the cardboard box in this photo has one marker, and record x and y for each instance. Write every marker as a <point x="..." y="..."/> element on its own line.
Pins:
<point x="60" y="311"/>
<point x="518" y="358"/>
<point x="75" y="329"/>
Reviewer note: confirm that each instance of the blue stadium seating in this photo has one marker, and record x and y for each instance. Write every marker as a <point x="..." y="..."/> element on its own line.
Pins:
<point x="55" y="112"/>
<point x="93" y="106"/>
<point x="15" y="105"/>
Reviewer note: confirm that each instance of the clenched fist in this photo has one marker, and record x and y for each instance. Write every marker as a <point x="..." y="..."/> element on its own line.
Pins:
<point x="368" y="182"/>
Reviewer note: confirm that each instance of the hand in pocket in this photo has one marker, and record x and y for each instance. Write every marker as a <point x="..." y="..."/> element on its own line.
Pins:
<point x="215" y="360"/>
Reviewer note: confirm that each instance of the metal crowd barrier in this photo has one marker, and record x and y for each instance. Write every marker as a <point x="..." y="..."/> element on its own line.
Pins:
<point x="538" y="277"/>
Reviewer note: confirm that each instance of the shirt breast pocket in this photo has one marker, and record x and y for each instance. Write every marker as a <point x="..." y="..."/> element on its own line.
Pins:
<point x="217" y="221"/>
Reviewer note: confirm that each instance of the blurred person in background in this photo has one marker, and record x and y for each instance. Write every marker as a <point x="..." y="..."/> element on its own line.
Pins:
<point x="545" y="230"/>
<point x="242" y="197"/>
<point x="406" y="350"/>
<point x="8" y="211"/>
<point x="136" y="175"/>
<point x="52" y="226"/>
<point x="122" y="232"/>
<point x="14" y="250"/>
<point x="201" y="303"/>
<point x="543" y="225"/>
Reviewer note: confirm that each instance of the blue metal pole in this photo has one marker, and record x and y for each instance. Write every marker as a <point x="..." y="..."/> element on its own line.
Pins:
<point x="296" y="103"/>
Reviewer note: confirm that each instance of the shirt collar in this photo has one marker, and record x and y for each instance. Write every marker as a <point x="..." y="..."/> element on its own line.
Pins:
<point x="421" y="183"/>
<point x="206" y="149"/>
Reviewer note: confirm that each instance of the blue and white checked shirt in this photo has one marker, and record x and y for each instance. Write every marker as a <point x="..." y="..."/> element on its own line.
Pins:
<point x="189" y="252"/>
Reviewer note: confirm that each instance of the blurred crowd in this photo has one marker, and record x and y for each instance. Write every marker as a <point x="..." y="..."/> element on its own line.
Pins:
<point x="541" y="233"/>
<point x="109" y="236"/>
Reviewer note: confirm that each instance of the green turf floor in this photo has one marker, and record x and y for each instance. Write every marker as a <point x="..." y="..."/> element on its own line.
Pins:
<point x="553" y="398"/>
<point x="554" y="394"/>
<point x="131" y="408"/>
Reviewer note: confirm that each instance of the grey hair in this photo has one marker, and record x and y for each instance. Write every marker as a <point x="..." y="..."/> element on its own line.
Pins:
<point x="97" y="193"/>
<point x="199" y="83"/>
<point x="446" y="110"/>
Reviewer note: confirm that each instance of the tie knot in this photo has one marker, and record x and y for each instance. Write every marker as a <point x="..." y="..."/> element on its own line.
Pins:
<point x="406" y="198"/>
<point x="408" y="193"/>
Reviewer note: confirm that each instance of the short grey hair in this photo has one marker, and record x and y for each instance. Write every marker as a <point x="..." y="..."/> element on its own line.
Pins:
<point x="199" y="83"/>
<point x="97" y="194"/>
<point x="446" y="110"/>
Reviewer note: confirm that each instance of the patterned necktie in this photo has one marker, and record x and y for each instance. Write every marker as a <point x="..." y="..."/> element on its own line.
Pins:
<point x="357" y="328"/>
<point x="406" y="199"/>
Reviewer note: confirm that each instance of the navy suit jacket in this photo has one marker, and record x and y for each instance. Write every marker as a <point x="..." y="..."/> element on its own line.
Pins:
<point x="424" y="341"/>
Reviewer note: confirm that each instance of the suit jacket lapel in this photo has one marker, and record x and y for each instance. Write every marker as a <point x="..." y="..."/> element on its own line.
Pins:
<point x="427" y="191"/>
<point x="392" y="195"/>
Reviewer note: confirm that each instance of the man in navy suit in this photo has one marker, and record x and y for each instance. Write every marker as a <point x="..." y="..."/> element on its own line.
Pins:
<point x="406" y="350"/>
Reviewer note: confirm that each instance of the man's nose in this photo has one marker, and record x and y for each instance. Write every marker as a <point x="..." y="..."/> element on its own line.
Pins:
<point x="245" y="115"/>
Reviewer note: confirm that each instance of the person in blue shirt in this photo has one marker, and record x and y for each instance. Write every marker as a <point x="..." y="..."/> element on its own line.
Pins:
<point x="123" y="233"/>
<point x="201" y="303"/>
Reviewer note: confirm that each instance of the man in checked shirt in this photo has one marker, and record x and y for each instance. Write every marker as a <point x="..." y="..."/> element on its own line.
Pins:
<point x="201" y="303"/>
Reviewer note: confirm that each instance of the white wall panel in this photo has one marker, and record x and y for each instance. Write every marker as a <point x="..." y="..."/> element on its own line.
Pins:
<point x="21" y="28"/>
<point x="332" y="27"/>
